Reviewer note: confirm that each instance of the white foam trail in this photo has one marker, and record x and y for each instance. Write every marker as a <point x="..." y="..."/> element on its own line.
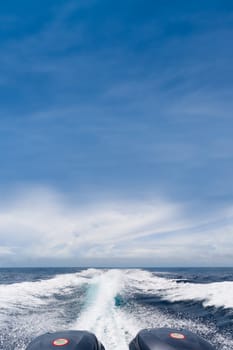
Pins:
<point x="111" y="325"/>
<point x="218" y="294"/>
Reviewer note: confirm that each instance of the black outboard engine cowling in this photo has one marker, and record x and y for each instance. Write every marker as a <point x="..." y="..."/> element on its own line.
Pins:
<point x="66" y="340"/>
<point x="168" y="339"/>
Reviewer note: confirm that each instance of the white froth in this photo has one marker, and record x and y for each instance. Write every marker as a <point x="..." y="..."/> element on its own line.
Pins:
<point x="217" y="294"/>
<point x="36" y="293"/>
<point x="100" y="315"/>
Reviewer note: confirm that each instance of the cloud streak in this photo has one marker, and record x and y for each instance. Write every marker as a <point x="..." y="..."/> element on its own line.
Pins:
<point x="41" y="224"/>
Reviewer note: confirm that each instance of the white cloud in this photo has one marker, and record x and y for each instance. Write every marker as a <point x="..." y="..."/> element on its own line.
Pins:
<point x="40" y="224"/>
<point x="5" y="251"/>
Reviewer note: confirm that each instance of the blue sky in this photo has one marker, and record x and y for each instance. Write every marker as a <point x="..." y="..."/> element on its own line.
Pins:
<point x="119" y="112"/>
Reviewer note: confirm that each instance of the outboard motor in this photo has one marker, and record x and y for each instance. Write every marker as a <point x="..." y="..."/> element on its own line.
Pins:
<point x="168" y="339"/>
<point x="66" y="340"/>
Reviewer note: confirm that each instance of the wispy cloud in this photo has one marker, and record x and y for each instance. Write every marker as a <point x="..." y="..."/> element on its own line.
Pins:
<point x="41" y="224"/>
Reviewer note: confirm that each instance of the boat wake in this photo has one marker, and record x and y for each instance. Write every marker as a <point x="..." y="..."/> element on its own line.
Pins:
<point x="113" y="304"/>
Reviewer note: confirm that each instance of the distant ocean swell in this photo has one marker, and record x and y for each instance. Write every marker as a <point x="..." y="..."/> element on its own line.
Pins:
<point x="114" y="304"/>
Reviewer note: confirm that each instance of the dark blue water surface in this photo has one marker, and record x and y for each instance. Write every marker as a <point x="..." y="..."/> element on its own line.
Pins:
<point x="28" y="274"/>
<point x="115" y="303"/>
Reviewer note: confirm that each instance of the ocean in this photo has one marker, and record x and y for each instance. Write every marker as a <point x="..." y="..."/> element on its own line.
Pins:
<point x="115" y="303"/>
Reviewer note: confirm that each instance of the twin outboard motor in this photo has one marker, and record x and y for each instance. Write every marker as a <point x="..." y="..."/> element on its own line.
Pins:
<point x="168" y="339"/>
<point x="146" y="339"/>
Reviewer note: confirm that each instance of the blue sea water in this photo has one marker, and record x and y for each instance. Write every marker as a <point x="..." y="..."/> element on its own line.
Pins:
<point x="115" y="303"/>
